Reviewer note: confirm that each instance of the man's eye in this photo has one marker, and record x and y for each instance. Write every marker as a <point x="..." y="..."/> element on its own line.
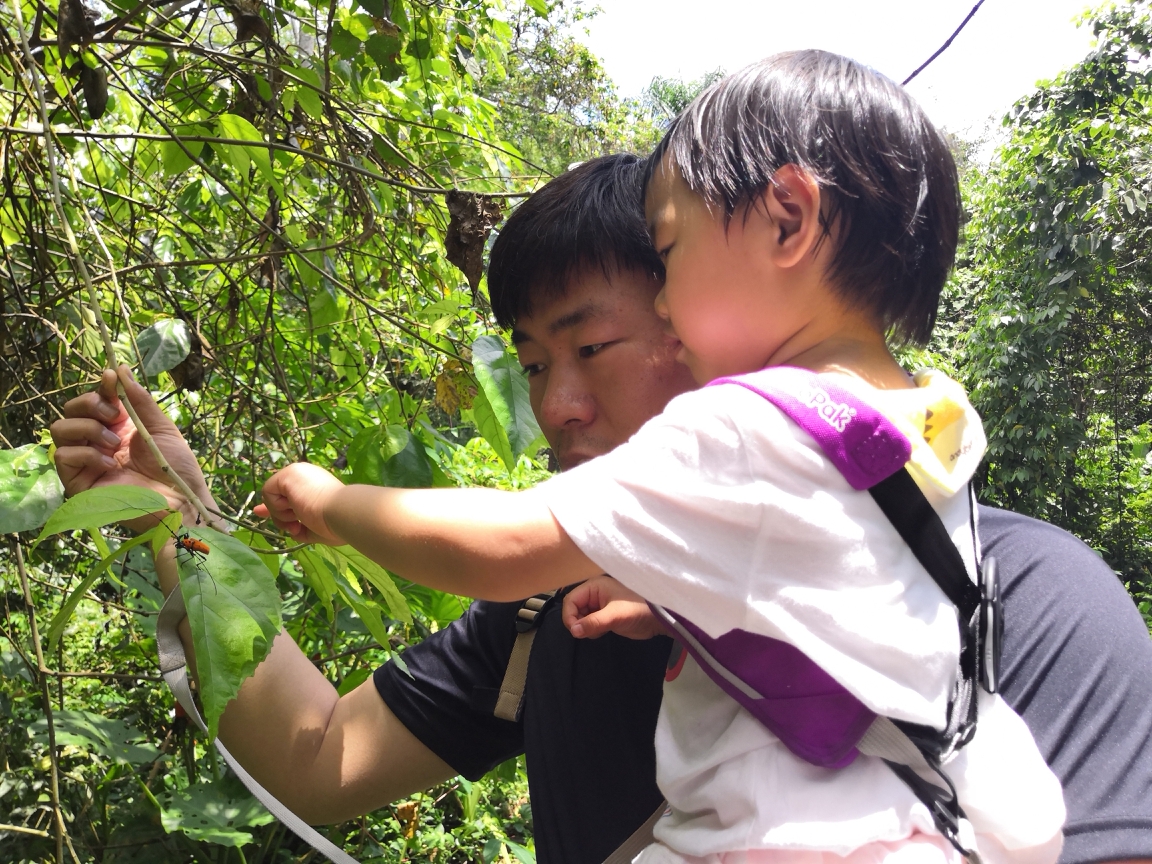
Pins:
<point x="533" y="369"/>
<point x="589" y="350"/>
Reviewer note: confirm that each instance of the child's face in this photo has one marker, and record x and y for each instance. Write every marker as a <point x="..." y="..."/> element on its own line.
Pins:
<point x="728" y="303"/>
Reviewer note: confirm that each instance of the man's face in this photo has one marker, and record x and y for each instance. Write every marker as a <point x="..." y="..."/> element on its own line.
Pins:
<point x="599" y="363"/>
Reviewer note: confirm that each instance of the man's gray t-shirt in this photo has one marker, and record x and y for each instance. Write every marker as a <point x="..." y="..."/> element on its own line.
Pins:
<point x="1077" y="668"/>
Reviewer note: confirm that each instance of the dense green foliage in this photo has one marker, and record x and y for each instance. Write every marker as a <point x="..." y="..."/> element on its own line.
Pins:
<point x="268" y="202"/>
<point x="1050" y="316"/>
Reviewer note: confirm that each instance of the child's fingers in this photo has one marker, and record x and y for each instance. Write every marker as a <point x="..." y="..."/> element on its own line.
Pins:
<point x="595" y="624"/>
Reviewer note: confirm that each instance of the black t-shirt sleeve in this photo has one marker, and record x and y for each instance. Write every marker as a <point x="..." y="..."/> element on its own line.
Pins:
<point x="1077" y="667"/>
<point x="447" y="699"/>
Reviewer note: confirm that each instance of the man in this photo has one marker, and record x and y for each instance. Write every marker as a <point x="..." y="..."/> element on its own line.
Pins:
<point x="574" y="274"/>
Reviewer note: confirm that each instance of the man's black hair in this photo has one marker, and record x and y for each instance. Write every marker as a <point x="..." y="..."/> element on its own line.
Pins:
<point x="888" y="176"/>
<point x="589" y="217"/>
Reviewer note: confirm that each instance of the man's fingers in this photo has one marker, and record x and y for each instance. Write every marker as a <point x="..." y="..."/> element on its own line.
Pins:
<point x="80" y="467"/>
<point x="80" y="432"/>
<point x="151" y="415"/>
<point x="96" y="405"/>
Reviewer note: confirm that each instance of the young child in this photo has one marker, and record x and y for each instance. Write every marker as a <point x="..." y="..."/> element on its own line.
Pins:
<point x="804" y="208"/>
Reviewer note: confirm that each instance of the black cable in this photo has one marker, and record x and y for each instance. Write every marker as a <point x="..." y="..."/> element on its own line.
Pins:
<point x="943" y="47"/>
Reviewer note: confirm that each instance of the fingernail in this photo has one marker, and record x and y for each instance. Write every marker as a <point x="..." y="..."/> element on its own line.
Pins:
<point x="110" y="462"/>
<point x="110" y="438"/>
<point x="107" y="410"/>
<point x="577" y="630"/>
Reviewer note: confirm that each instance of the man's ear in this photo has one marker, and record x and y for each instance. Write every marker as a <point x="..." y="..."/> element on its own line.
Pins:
<point x="792" y="204"/>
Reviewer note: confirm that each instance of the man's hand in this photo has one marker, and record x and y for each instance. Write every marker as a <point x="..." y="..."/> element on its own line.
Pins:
<point x="294" y="499"/>
<point x="98" y="445"/>
<point x="603" y="605"/>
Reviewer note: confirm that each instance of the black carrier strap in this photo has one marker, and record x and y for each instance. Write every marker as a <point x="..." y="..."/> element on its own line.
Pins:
<point x="981" y="626"/>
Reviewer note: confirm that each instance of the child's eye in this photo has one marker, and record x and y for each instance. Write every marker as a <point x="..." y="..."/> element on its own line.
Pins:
<point x="589" y="350"/>
<point x="663" y="253"/>
<point x="533" y="369"/>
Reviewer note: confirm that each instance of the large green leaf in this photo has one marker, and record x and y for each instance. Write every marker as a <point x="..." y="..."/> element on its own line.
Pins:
<point x="164" y="345"/>
<point x="110" y="739"/>
<point x="389" y="456"/>
<point x="234" y="612"/>
<point x="491" y="429"/>
<point x="29" y="488"/>
<point x="206" y="812"/>
<point x="505" y="387"/>
<point x="104" y="505"/>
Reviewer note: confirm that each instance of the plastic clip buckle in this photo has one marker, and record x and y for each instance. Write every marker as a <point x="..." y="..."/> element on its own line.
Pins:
<point x="991" y="635"/>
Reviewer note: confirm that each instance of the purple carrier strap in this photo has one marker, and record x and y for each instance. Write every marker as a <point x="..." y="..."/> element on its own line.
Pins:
<point x="800" y="703"/>
<point x="864" y="444"/>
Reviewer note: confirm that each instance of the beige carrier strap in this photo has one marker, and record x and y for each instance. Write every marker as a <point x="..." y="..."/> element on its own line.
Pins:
<point x="512" y="687"/>
<point x="640" y="839"/>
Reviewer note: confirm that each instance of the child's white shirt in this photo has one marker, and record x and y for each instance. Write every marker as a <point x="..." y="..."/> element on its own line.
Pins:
<point x="726" y="512"/>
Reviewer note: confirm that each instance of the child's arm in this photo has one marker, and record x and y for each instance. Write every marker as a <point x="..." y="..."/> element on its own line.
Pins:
<point x="602" y="605"/>
<point x="478" y="542"/>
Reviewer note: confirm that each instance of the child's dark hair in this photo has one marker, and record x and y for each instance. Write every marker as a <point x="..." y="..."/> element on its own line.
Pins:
<point x="589" y="217"/>
<point x="892" y="194"/>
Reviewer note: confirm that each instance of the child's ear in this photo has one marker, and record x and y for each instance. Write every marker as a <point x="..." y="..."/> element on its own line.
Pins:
<point x="792" y="202"/>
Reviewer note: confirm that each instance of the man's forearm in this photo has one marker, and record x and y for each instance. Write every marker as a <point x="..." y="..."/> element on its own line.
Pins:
<point x="478" y="542"/>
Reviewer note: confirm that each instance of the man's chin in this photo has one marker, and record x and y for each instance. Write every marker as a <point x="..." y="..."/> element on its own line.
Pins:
<point x="570" y="458"/>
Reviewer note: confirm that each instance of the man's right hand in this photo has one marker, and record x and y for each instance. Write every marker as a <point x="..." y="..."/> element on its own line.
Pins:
<point x="97" y="444"/>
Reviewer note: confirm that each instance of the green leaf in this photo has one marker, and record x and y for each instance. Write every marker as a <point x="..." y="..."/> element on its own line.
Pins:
<point x="176" y="158"/>
<point x="491" y="429"/>
<point x="524" y="856"/>
<point x="111" y="739"/>
<point x="206" y="812"/>
<point x="353" y="680"/>
<point x="505" y="389"/>
<point x="60" y="619"/>
<point x="234" y="613"/>
<point x="540" y="7"/>
<point x="310" y="101"/>
<point x="104" y="505"/>
<point x="164" y="345"/>
<point x="344" y="43"/>
<point x="259" y="541"/>
<point x="318" y="577"/>
<point x="381" y="580"/>
<point x="29" y="488"/>
<point x="389" y="456"/>
<point x="233" y="126"/>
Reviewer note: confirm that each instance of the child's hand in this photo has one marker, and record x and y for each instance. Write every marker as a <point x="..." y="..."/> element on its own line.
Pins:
<point x="294" y="499"/>
<point x="603" y="605"/>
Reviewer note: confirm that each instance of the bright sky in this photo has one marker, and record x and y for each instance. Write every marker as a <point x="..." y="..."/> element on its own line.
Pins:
<point x="1004" y="50"/>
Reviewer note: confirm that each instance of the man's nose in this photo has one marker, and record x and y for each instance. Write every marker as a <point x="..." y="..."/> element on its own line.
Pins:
<point x="566" y="401"/>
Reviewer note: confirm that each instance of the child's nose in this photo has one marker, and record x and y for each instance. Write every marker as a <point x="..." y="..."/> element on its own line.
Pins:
<point x="661" y="305"/>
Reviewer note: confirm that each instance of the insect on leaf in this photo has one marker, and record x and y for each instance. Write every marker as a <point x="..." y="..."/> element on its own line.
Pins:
<point x="234" y="613"/>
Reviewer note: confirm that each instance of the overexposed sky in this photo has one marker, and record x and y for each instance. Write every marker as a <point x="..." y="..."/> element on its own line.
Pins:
<point x="1004" y="50"/>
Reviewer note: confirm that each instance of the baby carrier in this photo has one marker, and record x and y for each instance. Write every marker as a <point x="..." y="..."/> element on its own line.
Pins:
<point x="813" y="715"/>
